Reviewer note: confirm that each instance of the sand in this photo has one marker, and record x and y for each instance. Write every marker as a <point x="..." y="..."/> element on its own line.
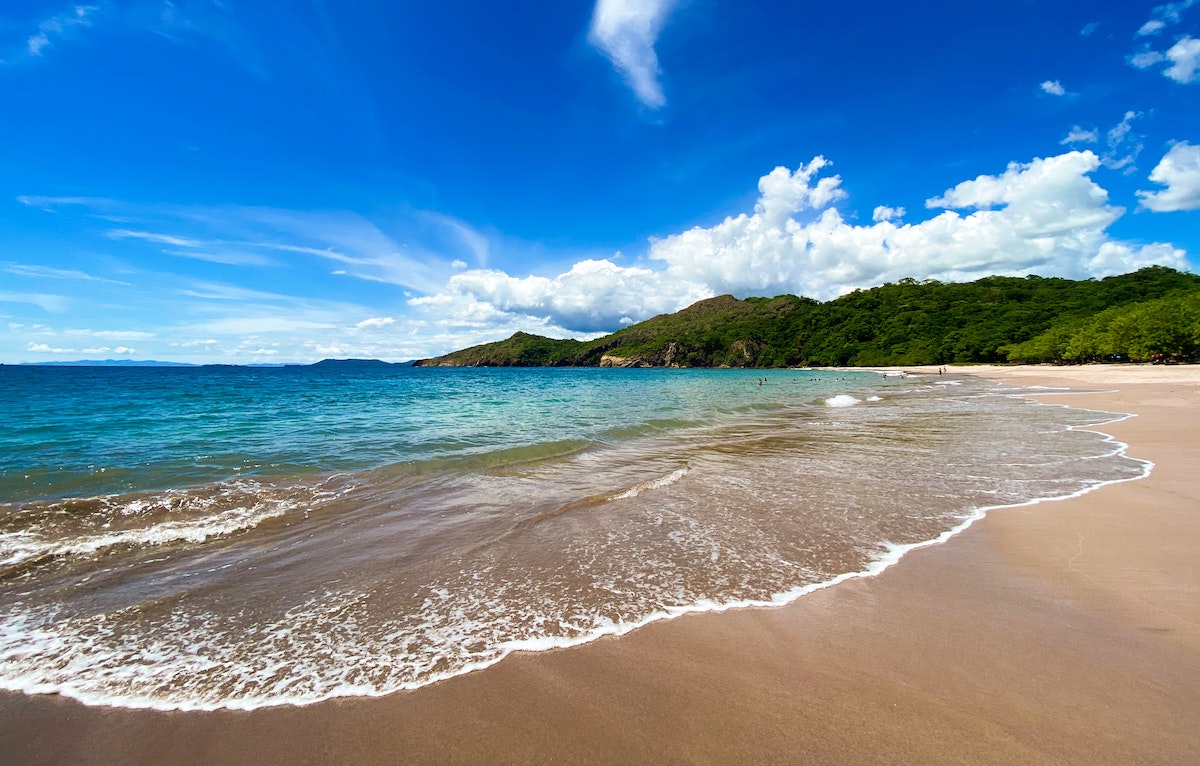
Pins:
<point x="1061" y="633"/>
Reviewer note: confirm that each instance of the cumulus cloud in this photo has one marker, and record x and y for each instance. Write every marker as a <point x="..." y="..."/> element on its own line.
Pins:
<point x="625" y="31"/>
<point x="1179" y="171"/>
<point x="885" y="213"/>
<point x="1185" y="60"/>
<point x="45" y="348"/>
<point x="1054" y="88"/>
<point x="591" y="297"/>
<point x="1046" y="216"/>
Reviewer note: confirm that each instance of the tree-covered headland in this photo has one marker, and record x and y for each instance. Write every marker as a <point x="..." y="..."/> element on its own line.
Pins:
<point x="1150" y="315"/>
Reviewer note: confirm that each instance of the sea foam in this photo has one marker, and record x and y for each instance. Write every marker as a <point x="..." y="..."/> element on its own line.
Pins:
<point x="842" y="400"/>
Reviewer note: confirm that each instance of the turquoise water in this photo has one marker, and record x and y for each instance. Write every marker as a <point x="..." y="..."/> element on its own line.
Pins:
<point x="73" y="431"/>
<point x="198" y="538"/>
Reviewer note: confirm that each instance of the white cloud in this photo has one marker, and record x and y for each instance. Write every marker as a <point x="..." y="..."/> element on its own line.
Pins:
<point x="1079" y="135"/>
<point x="626" y="30"/>
<point x="1045" y="216"/>
<point x="1185" y="60"/>
<point x="1164" y="16"/>
<point x="36" y="43"/>
<point x="1089" y="29"/>
<point x="1151" y="27"/>
<point x="1054" y="88"/>
<point x="885" y="213"/>
<point x="1179" y="171"/>
<point x="590" y="297"/>
<point x="1146" y="59"/>
<point x="44" y="348"/>
<point x="375" y="322"/>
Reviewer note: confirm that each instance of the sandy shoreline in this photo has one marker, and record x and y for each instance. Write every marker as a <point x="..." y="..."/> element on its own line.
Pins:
<point x="1065" y="632"/>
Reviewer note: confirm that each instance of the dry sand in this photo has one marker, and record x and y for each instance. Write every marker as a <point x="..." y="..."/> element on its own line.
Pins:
<point x="1066" y="632"/>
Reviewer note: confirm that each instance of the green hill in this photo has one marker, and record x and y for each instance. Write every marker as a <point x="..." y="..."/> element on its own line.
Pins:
<point x="990" y="320"/>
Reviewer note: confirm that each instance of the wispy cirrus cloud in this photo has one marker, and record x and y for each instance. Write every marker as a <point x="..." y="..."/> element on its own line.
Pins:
<point x="1124" y="145"/>
<point x="47" y="272"/>
<point x="1080" y="135"/>
<point x="418" y="256"/>
<point x="45" y="301"/>
<point x="57" y="27"/>
<point x="1164" y="16"/>
<point x="626" y="31"/>
<point x="150" y="236"/>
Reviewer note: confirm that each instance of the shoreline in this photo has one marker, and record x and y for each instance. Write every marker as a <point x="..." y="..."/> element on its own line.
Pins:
<point x="1065" y="631"/>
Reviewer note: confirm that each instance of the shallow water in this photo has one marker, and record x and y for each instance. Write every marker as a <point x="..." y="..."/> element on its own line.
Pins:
<point x="204" y="538"/>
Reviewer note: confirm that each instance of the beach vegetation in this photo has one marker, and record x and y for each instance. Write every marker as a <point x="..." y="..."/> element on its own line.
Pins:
<point x="1165" y="330"/>
<point x="1148" y="315"/>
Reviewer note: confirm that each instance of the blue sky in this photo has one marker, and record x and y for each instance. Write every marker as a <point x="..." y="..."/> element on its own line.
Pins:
<point x="242" y="182"/>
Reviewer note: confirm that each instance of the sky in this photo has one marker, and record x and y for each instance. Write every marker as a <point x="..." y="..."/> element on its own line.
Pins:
<point x="264" y="182"/>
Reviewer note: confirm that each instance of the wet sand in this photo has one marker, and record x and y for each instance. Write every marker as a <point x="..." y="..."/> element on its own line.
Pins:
<point x="1065" y="632"/>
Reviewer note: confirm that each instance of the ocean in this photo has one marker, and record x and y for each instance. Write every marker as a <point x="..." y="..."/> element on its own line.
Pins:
<point x="204" y="538"/>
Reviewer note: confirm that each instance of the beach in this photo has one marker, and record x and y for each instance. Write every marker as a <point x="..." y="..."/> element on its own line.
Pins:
<point x="1060" y="632"/>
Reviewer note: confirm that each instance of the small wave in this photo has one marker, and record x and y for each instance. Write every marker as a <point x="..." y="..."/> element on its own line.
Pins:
<point x="842" y="400"/>
<point x="89" y="526"/>
<point x="659" y="483"/>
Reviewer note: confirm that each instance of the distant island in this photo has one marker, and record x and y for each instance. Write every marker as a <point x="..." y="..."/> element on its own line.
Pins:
<point x="1151" y="315"/>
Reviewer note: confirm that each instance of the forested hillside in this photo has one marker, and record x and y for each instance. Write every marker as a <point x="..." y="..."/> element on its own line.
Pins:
<point x="1153" y="313"/>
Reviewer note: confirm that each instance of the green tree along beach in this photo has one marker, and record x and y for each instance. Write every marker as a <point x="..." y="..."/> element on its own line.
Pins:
<point x="1150" y="315"/>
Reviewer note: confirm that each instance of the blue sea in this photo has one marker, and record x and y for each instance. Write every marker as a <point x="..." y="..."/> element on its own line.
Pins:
<point x="221" y="537"/>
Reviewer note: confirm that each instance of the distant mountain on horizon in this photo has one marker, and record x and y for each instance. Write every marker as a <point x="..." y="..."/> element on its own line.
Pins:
<point x="105" y="363"/>
<point x="323" y="364"/>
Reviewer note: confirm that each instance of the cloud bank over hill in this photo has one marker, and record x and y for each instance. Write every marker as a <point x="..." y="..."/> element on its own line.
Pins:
<point x="1046" y="216"/>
